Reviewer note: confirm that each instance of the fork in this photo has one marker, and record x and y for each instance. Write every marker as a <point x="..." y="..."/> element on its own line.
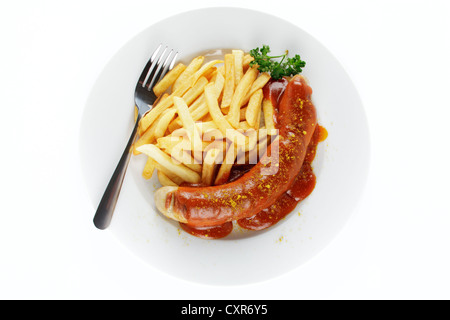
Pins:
<point x="161" y="61"/>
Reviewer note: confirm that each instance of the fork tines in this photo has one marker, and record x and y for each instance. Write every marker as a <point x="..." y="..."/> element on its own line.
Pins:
<point x="165" y="61"/>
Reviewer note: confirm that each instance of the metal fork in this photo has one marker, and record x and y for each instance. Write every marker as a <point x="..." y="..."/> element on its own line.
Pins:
<point x="161" y="61"/>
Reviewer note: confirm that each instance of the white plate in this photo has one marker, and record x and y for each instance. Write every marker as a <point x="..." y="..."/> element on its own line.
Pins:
<point x="341" y="164"/>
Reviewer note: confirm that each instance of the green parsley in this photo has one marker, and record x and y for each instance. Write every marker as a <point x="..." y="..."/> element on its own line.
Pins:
<point x="277" y="69"/>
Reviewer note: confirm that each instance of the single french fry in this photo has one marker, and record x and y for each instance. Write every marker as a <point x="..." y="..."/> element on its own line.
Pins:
<point x="209" y="166"/>
<point x="163" y="122"/>
<point x="147" y="137"/>
<point x="192" y="67"/>
<point x="236" y="136"/>
<point x="253" y="155"/>
<point x="219" y="145"/>
<point x="246" y="61"/>
<point x="219" y="84"/>
<point x="149" y="168"/>
<point x="189" y="125"/>
<point x="268" y="111"/>
<point x="176" y="179"/>
<point x="254" y="107"/>
<point x="241" y="115"/>
<point x="259" y="83"/>
<point x="181" y="152"/>
<point x="238" y="65"/>
<point x="252" y="136"/>
<point x="225" y="168"/>
<point x="168" y="80"/>
<point x="219" y="118"/>
<point x="229" y="81"/>
<point x="258" y="118"/>
<point x="175" y="125"/>
<point x="161" y="98"/>
<point x="168" y="142"/>
<point x="153" y="114"/>
<point x="194" y="92"/>
<point x="242" y="157"/>
<point x="239" y="94"/>
<point x="165" y="180"/>
<point x="182" y="141"/>
<point x="166" y="161"/>
<point x="210" y="73"/>
<point x="262" y="147"/>
<point x="206" y="126"/>
<point x="221" y="69"/>
<point x="198" y="110"/>
<point x="213" y="75"/>
<point x="202" y="125"/>
<point x="244" y="125"/>
<point x="213" y="135"/>
<point x="197" y="103"/>
<point x="193" y="79"/>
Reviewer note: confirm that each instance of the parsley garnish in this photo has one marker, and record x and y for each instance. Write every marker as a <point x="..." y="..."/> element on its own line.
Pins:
<point x="277" y="69"/>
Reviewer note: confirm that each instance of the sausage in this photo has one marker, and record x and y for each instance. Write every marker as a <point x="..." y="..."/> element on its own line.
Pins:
<point x="255" y="190"/>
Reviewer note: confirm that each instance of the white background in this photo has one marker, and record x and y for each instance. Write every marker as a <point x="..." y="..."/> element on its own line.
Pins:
<point x="396" y="245"/>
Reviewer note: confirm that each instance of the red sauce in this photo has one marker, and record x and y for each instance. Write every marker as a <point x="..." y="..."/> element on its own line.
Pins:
<point x="268" y="217"/>
<point x="215" y="232"/>
<point x="273" y="91"/>
<point x="301" y="188"/>
<point x="304" y="183"/>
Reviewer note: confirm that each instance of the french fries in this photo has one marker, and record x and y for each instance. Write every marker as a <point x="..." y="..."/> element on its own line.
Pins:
<point x="193" y="66"/>
<point x="168" y="79"/>
<point x="268" y="111"/>
<point x="241" y="91"/>
<point x="209" y="166"/>
<point x="167" y="162"/>
<point x="209" y="116"/>
<point x="165" y="180"/>
<point x="193" y="79"/>
<point x="238" y="65"/>
<point x="149" y="168"/>
<point x="163" y="123"/>
<point x="225" y="168"/>
<point x="254" y="108"/>
<point x="189" y="125"/>
<point x="246" y="61"/>
<point x="229" y="81"/>
<point x="259" y="83"/>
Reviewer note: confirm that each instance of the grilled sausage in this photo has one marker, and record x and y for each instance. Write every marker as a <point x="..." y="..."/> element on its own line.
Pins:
<point x="255" y="190"/>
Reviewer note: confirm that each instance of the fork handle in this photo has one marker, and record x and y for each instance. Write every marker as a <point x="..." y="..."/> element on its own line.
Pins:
<point x="105" y="209"/>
